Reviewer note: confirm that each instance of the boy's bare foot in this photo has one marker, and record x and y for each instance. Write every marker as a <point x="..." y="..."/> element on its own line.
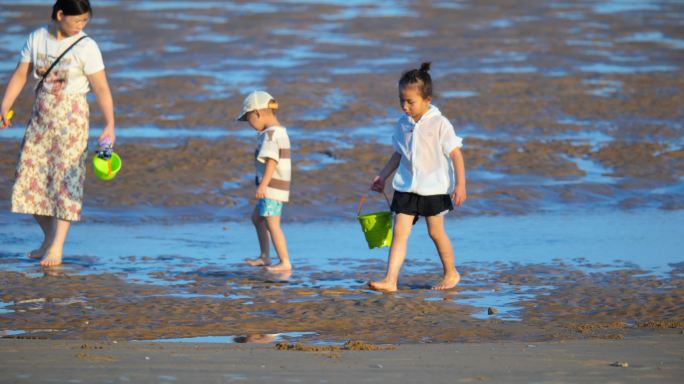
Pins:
<point x="258" y="262"/>
<point x="279" y="268"/>
<point x="52" y="259"/>
<point x="382" y="286"/>
<point x="447" y="282"/>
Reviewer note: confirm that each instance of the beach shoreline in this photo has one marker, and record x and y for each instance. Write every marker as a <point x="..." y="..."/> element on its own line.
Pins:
<point x="650" y="358"/>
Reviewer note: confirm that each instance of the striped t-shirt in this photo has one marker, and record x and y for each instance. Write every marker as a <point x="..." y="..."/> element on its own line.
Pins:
<point x="273" y="143"/>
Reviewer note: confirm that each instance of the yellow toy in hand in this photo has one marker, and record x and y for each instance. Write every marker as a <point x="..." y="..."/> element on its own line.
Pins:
<point x="9" y="116"/>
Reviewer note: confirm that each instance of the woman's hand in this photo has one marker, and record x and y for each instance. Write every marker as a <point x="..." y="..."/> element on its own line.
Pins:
<point x="14" y="87"/>
<point x="459" y="196"/>
<point x="378" y="184"/>
<point x="6" y="119"/>
<point x="107" y="135"/>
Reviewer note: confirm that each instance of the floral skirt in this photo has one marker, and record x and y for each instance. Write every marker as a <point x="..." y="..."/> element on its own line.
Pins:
<point x="51" y="168"/>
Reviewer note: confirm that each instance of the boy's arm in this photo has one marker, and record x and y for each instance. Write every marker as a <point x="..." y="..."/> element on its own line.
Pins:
<point x="14" y="87"/>
<point x="266" y="178"/>
<point x="459" y="196"/>
<point x="379" y="181"/>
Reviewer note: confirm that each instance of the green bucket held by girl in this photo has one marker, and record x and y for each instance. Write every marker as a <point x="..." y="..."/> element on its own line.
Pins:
<point x="376" y="226"/>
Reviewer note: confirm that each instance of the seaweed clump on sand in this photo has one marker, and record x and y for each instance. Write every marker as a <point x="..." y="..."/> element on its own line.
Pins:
<point x="350" y="345"/>
<point x="661" y="324"/>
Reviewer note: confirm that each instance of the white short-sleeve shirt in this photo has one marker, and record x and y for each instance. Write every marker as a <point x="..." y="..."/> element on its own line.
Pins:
<point x="425" y="167"/>
<point x="274" y="143"/>
<point x="70" y="74"/>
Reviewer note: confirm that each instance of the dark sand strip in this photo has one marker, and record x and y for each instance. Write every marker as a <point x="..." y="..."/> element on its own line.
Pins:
<point x="654" y="358"/>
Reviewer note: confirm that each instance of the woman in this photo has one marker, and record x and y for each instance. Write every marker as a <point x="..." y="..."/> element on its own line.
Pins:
<point x="51" y="168"/>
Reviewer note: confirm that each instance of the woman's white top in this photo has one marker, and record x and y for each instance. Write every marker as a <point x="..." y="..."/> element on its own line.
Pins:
<point x="69" y="75"/>
<point x="425" y="167"/>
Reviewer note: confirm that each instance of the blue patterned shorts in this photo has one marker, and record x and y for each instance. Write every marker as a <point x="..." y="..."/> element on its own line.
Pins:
<point x="269" y="207"/>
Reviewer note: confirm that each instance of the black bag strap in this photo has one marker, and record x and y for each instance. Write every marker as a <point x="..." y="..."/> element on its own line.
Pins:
<point x="54" y="63"/>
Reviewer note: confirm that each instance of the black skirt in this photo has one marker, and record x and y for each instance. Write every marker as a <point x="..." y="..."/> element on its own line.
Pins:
<point x="417" y="205"/>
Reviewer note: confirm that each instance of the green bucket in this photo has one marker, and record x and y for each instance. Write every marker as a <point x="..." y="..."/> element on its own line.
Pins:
<point x="377" y="226"/>
<point x="106" y="169"/>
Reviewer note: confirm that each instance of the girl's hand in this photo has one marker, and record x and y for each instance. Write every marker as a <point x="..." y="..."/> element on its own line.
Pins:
<point x="261" y="191"/>
<point x="378" y="184"/>
<point x="107" y="135"/>
<point x="459" y="196"/>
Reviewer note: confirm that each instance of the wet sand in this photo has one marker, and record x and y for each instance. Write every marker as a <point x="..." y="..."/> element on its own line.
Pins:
<point x="561" y="105"/>
<point x="639" y="359"/>
<point x="556" y="277"/>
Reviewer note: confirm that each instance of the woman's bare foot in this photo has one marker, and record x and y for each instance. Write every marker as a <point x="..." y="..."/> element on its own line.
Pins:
<point x="281" y="267"/>
<point x="383" y="286"/>
<point x="258" y="262"/>
<point x="447" y="282"/>
<point x="52" y="259"/>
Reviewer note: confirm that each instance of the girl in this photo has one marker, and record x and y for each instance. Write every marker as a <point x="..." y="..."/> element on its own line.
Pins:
<point x="424" y="142"/>
<point x="51" y="168"/>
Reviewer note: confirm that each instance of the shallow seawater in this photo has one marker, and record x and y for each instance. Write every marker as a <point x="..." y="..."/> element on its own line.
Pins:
<point x="597" y="236"/>
<point x="606" y="68"/>
<point x="617" y="6"/>
<point x="334" y="256"/>
<point x="228" y="339"/>
<point x="206" y="5"/>
<point x="138" y="134"/>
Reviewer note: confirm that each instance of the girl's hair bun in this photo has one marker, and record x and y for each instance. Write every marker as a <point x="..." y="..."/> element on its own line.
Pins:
<point x="420" y="78"/>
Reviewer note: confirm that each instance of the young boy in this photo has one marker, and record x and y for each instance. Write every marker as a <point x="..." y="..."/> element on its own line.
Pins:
<point x="272" y="177"/>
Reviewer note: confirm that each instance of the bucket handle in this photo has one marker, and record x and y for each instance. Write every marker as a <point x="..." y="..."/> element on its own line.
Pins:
<point x="363" y="200"/>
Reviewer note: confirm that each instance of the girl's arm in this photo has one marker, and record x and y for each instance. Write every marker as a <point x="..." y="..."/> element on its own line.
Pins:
<point x="14" y="87"/>
<point x="459" y="196"/>
<point x="379" y="181"/>
<point x="99" y="84"/>
<point x="268" y="174"/>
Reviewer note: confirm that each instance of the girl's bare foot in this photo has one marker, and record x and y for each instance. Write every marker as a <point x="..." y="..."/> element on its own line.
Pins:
<point x="258" y="262"/>
<point x="282" y="267"/>
<point x="52" y="259"/>
<point x="447" y="282"/>
<point x="281" y="276"/>
<point x="38" y="253"/>
<point x="383" y="286"/>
